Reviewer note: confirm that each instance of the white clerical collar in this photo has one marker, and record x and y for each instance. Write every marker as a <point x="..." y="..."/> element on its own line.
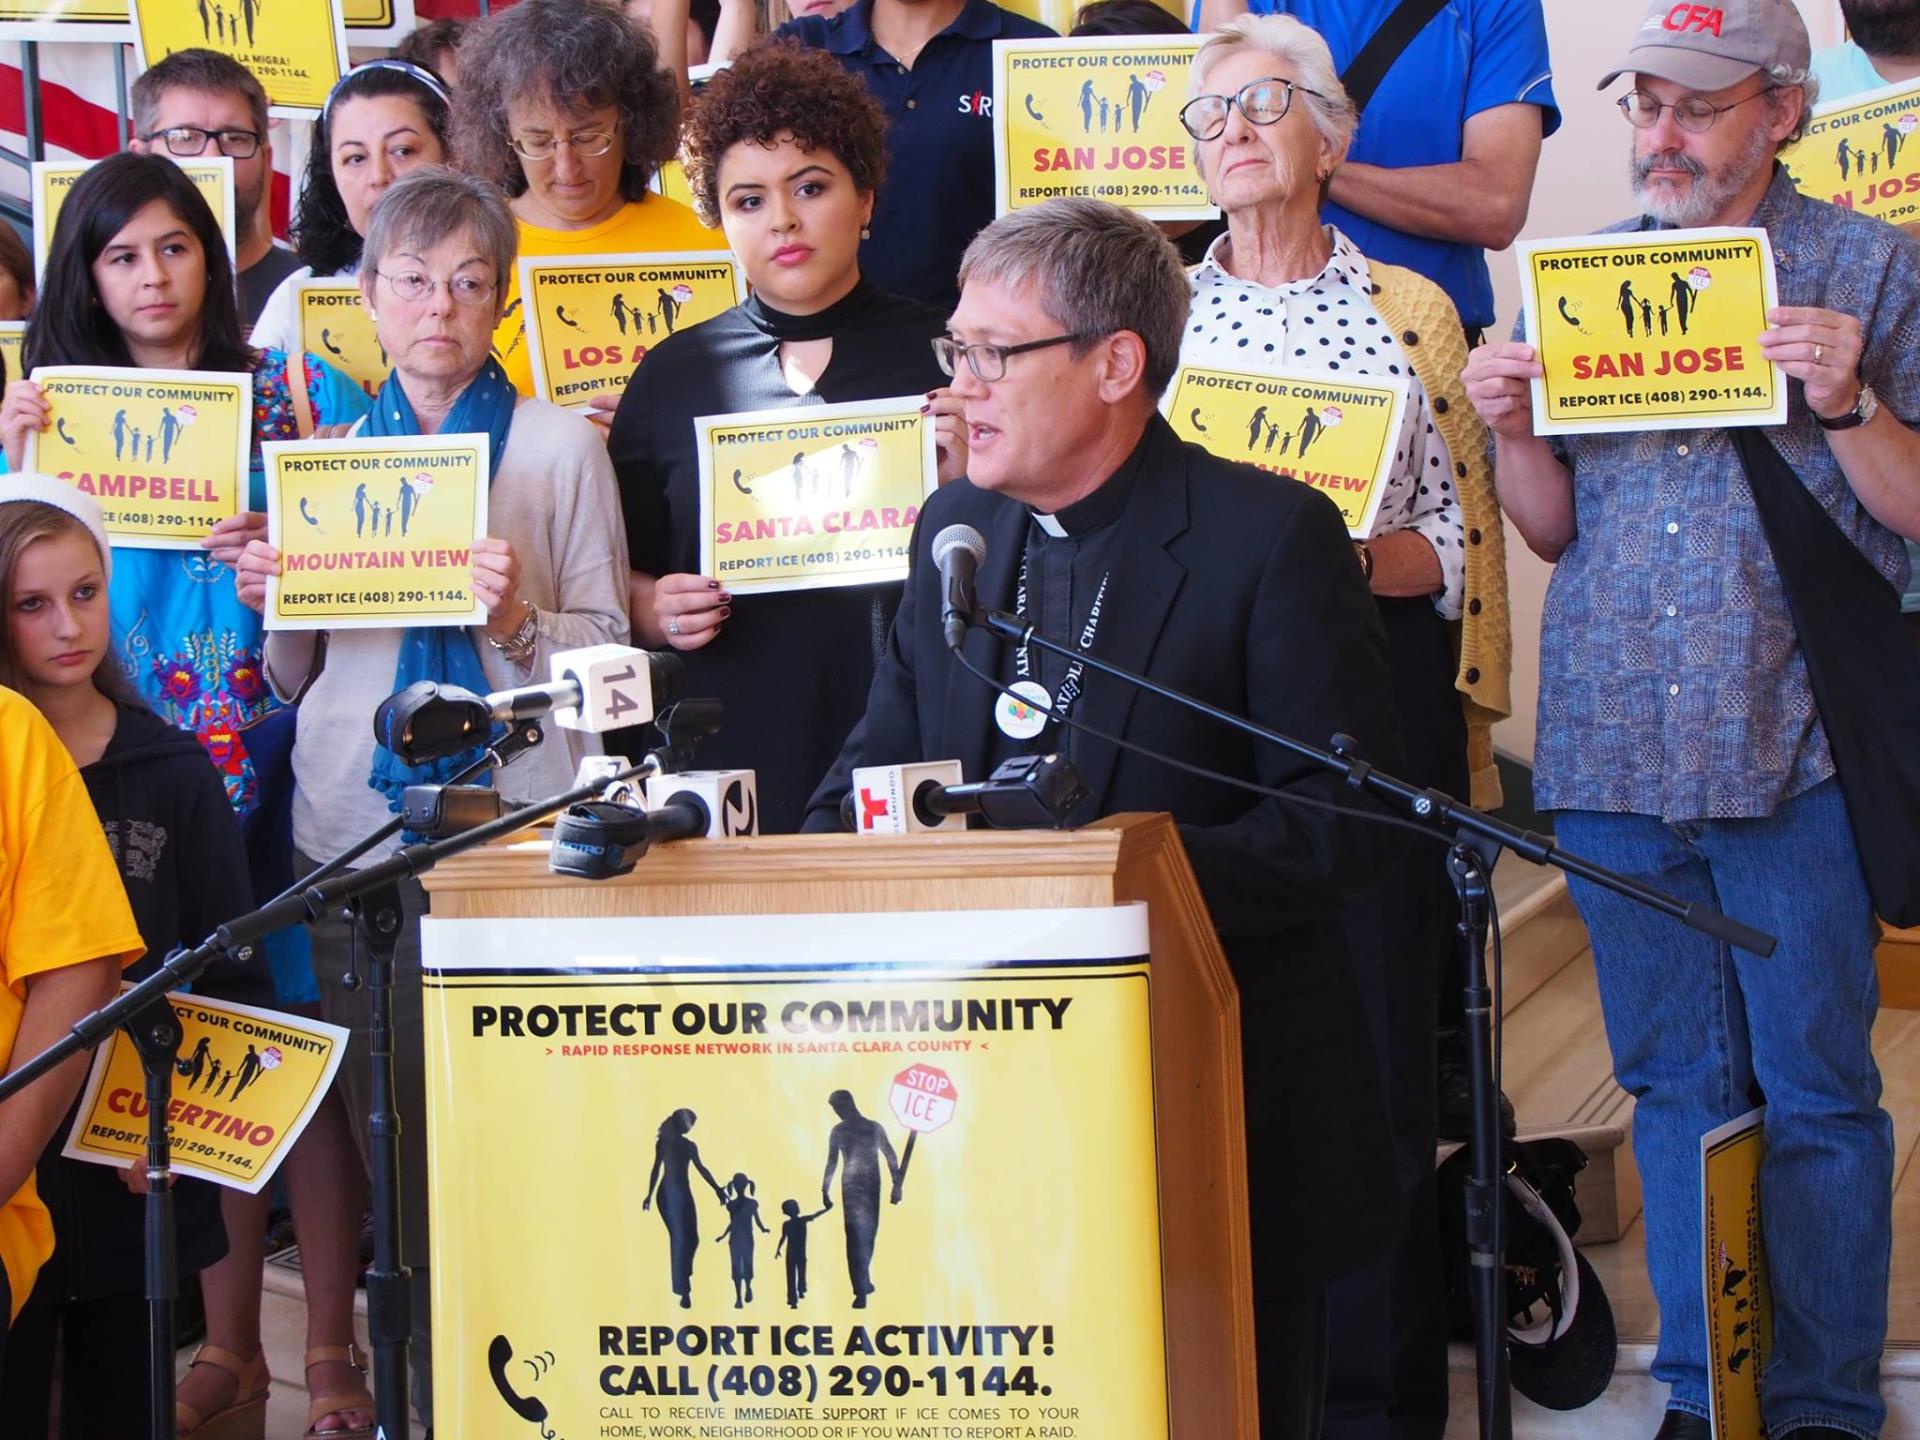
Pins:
<point x="1050" y="524"/>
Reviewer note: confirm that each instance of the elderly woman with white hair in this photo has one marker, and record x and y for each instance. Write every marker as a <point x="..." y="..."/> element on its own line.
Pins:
<point x="1271" y="123"/>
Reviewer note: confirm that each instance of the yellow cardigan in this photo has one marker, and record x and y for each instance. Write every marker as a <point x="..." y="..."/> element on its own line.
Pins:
<point x="1420" y="313"/>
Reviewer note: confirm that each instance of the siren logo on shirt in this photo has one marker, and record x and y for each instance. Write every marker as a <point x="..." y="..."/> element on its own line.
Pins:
<point x="978" y="103"/>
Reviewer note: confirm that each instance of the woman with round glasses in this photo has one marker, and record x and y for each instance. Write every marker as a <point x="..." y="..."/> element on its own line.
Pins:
<point x="786" y="150"/>
<point x="382" y="119"/>
<point x="551" y="574"/>
<point x="564" y="106"/>
<point x="1271" y="123"/>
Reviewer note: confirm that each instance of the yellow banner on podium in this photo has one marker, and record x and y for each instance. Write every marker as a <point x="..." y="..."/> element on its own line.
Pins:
<point x="249" y="1082"/>
<point x="163" y="451"/>
<point x="814" y="495"/>
<point x="335" y="325"/>
<point x="592" y="318"/>
<point x="764" y="1176"/>
<point x="1860" y="153"/>
<point x="1097" y="117"/>
<point x="1651" y="331"/>
<point x="1332" y="432"/>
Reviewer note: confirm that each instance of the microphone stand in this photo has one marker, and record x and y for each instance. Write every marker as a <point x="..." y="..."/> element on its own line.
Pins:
<point x="1477" y="839"/>
<point x="150" y="1020"/>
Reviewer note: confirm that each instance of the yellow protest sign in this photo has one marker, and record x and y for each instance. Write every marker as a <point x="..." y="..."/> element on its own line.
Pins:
<point x="297" y="49"/>
<point x="1096" y="117"/>
<point x="1860" y="153"/>
<point x="251" y="1080"/>
<point x="591" y="318"/>
<point x="163" y="451"/>
<point x="83" y="20"/>
<point x="912" y="1246"/>
<point x="13" y="341"/>
<point x="375" y="532"/>
<point x="374" y="22"/>
<point x="335" y="325"/>
<point x="1332" y="432"/>
<point x="53" y="180"/>
<point x="1651" y="331"/>
<point x="1739" y="1301"/>
<point x="812" y="496"/>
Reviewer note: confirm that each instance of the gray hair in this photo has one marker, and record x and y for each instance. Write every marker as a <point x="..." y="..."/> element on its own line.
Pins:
<point x="431" y="204"/>
<point x="1099" y="270"/>
<point x="1790" y="77"/>
<point x="581" y="56"/>
<point x="205" y="72"/>
<point x="1305" y="53"/>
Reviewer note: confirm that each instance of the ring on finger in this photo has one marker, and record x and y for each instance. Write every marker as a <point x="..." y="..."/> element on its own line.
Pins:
<point x="673" y="626"/>
<point x="1818" y="350"/>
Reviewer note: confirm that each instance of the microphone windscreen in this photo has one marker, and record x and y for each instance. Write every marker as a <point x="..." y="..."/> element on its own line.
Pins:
<point x="959" y="537"/>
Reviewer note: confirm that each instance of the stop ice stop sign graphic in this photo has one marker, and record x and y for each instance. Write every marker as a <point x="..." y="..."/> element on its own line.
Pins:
<point x="923" y="1098"/>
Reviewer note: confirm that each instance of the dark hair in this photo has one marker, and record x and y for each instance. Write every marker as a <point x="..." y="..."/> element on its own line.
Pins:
<point x="1126" y="17"/>
<point x="320" y="230"/>
<point x="15" y="258"/>
<point x="778" y="87"/>
<point x="706" y="15"/>
<point x="23" y="523"/>
<point x="206" y="71"/>
<point x="580" y="55"/>
<point x="69" y="325"/>
<point x="426" y="44"/>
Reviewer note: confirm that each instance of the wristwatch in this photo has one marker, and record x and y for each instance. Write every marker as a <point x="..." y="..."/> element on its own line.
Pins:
<point x="1864" y="409"/>
<point x="1364" y="554"/>
<point x="519" y="646"/>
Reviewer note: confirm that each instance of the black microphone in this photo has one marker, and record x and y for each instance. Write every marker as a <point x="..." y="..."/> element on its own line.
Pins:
<point x="959" y="551"/>
<point x="596" y="689"/>
<point x="600" y="839"/>
<point x="1030" y="792"/>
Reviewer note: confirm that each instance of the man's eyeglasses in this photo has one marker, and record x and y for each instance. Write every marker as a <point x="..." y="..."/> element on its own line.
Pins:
<point x="989" y="362"/>
<point x="588" y="144"/>
<point x="1690" y="112"/>
<point x="412" y="285"/>
<point x="1264" y="102"/>
<point x="185" y="140"/>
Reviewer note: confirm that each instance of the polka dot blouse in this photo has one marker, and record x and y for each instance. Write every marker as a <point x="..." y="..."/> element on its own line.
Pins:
<point x="1328" y="322"/>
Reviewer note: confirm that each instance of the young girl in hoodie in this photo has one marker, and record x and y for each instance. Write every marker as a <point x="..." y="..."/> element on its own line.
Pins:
<point x="178" y="849"/>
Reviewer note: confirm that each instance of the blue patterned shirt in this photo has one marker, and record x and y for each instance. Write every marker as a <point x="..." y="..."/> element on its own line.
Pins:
<point x="1671" y="677"/>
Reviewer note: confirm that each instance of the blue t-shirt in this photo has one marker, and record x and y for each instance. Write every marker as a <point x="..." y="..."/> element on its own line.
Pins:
<point x="938" y="193"/>
<point x="1472" y="56"/>
<point x="1844" y="71"/>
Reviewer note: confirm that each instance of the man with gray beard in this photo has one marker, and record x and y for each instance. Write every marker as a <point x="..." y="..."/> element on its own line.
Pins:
<point x="1679" y="738"/>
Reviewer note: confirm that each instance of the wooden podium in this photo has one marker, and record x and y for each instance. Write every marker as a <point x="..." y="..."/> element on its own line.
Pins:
<point x="1198" y="1115"/>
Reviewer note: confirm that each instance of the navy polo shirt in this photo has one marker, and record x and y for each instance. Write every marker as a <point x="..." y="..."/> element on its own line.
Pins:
<point x="1472" y="56"/>
<point x="938" y="193"/>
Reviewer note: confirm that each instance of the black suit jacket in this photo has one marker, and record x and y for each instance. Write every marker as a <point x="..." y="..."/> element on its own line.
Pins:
<point x="1241" y="589"/>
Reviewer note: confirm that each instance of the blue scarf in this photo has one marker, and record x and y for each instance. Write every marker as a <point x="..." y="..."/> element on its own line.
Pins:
<point x="439" y="652"/>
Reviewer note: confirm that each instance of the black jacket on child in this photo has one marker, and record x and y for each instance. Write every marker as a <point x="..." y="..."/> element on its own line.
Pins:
<point x="178" y="848"/>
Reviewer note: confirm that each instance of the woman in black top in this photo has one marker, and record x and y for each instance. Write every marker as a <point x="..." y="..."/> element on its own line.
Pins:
<point x="785" y="151"/>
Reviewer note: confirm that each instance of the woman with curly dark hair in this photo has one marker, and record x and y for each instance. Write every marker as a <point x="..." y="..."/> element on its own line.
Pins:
<point x="785" y="150"/>
<point x="564" y="106"/>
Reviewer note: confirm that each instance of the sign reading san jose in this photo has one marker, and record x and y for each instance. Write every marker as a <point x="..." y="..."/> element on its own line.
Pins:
<point x="1859" y="153"/>
<point x="1651" y="330"/>
<point x="1098" y="118"/>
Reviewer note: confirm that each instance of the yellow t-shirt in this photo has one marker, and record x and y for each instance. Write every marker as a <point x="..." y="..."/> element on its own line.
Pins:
<point x="61" y="903"/>
<point x="640" y="227"/>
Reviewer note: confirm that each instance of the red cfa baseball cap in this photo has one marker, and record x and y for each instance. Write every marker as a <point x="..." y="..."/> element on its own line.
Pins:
<point x="1711" y="46"/>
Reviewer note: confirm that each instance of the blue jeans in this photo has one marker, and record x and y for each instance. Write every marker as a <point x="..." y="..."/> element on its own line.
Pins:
<point x="1693" y="1024"/>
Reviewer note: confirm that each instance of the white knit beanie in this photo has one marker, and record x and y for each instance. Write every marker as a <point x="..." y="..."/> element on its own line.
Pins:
<point x="62" y="496"/>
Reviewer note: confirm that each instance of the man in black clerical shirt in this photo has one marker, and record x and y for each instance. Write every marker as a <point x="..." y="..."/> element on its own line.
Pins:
<point x="1216" y="579"/>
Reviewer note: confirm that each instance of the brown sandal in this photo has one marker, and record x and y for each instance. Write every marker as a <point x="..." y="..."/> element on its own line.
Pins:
<point x="246" y="1418"/>
<point x="360" y="1399"/>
